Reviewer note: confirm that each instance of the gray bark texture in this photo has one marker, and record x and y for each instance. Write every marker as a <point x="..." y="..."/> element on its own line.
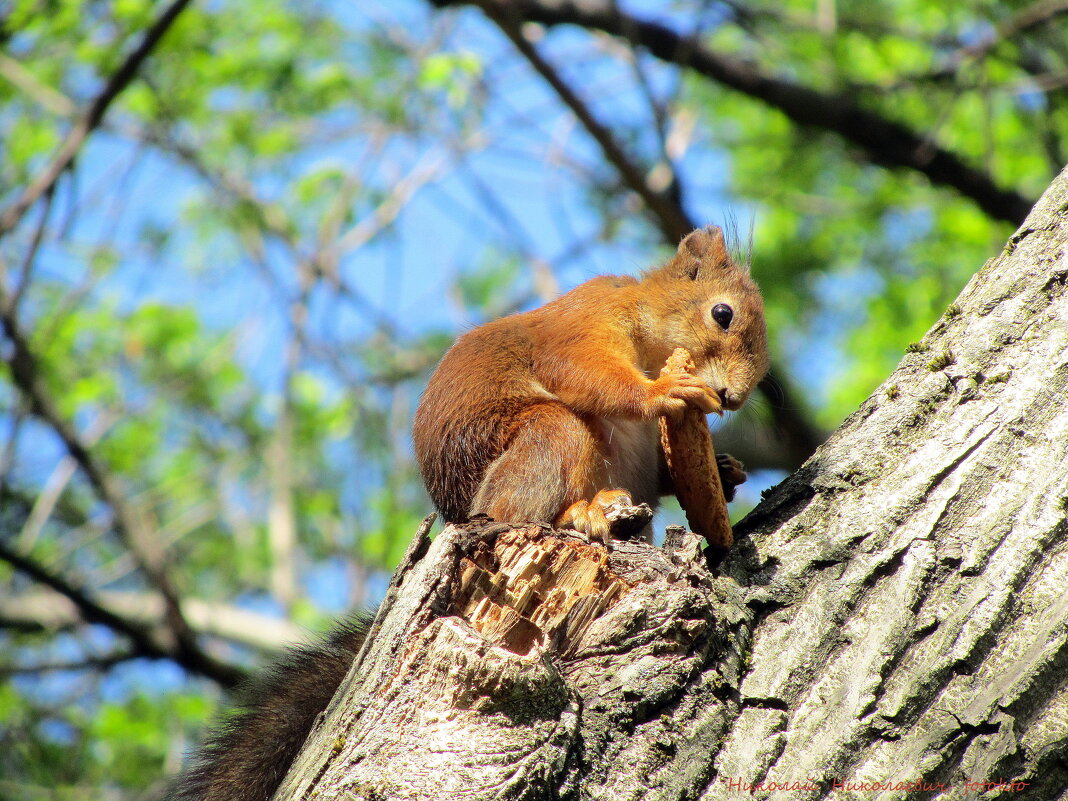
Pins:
<point x="892" y="622"/>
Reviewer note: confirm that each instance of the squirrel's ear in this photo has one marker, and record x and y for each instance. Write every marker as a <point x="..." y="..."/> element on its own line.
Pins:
<point x="706" y="245"/>
<point x="700" y="253"/>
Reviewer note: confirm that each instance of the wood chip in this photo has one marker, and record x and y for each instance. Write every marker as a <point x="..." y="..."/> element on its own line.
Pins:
<point x="691" y="460"/>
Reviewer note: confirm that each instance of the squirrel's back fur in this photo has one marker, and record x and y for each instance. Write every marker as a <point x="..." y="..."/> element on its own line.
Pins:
<point x="247" y="757"/>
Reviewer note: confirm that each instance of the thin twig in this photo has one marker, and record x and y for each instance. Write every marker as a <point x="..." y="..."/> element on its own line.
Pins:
<point x="669" y="217"/>
<point x="43" y="94"/>
<point x="96" y="663"/>
<point x="92" y="117"/>
<point x="45" y="610"/>
<point x="53" y="488"/>
<point x="23" y="280"/>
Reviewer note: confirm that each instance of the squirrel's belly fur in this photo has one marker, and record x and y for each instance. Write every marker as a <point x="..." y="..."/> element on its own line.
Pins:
<point x="632" y="457"/>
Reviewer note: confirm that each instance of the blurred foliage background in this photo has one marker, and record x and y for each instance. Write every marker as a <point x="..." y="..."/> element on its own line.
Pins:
<point x="235" y="237"/>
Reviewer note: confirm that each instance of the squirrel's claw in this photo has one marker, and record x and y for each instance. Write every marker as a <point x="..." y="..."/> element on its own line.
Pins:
<point x="588" y="517"/>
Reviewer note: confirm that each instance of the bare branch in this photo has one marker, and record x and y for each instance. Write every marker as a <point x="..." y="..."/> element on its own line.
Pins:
<point x="272" y="218"/>
<point x="23" y="279"/>
<point x="672" y="220"/>
<point x="886" y="142"/>
<point x="281" y="509"/>
<point x="1032" y="16"/>
<point x="140" y="636"/>
<point x="96" y="663"/>
<point x="428" y="169"/>
<point x="48" y="609"/>
<point x="43" y="94"/>
<point x="53" y="488"/>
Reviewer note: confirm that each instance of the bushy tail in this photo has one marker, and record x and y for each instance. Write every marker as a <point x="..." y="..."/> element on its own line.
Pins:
<point x="247" y="757"/>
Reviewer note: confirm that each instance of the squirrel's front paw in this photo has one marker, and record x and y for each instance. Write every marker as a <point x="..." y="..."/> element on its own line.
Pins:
<point x="589" y="518"/>
<point x="672" y="393"/>
<point x="731" y="474"/>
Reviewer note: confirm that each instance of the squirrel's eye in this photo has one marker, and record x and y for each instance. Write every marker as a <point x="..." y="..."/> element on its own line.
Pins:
<point x="722" y="314"/>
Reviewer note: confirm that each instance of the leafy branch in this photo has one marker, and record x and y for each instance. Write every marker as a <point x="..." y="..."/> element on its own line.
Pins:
<point x="25" y="371"/>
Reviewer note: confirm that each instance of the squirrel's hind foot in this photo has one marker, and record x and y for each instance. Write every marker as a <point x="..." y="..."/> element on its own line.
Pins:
<point x="611" y="513"/>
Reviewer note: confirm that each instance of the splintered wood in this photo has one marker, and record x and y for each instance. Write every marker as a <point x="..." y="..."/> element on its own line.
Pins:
<point x="531" y="589"/>
<point x="691" y="460"/>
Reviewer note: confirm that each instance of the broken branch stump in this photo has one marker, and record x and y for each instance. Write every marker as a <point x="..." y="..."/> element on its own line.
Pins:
<point x="515" y="662"/>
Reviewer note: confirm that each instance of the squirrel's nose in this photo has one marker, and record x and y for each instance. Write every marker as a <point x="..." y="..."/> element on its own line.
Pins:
<point x="729" y="400"/>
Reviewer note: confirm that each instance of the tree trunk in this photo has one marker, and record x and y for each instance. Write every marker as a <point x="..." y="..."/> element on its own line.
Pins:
<point x="893" y="613"/>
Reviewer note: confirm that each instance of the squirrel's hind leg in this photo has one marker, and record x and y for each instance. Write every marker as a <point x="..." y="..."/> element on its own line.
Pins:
<point x="553" y="460"/>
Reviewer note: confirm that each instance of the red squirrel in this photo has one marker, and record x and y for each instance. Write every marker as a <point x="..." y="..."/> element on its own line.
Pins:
<point x="544" y="416"/>
<point x="550" y="415"/>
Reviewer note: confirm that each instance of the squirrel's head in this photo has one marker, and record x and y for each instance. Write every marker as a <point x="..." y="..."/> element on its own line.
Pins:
<point x="703" y="301"/>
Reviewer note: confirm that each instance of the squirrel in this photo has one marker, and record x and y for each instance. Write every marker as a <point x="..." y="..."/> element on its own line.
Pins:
<point x="549" y="416"/>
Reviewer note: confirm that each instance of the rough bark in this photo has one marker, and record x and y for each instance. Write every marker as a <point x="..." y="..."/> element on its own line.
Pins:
<point x="893" y="612"/>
